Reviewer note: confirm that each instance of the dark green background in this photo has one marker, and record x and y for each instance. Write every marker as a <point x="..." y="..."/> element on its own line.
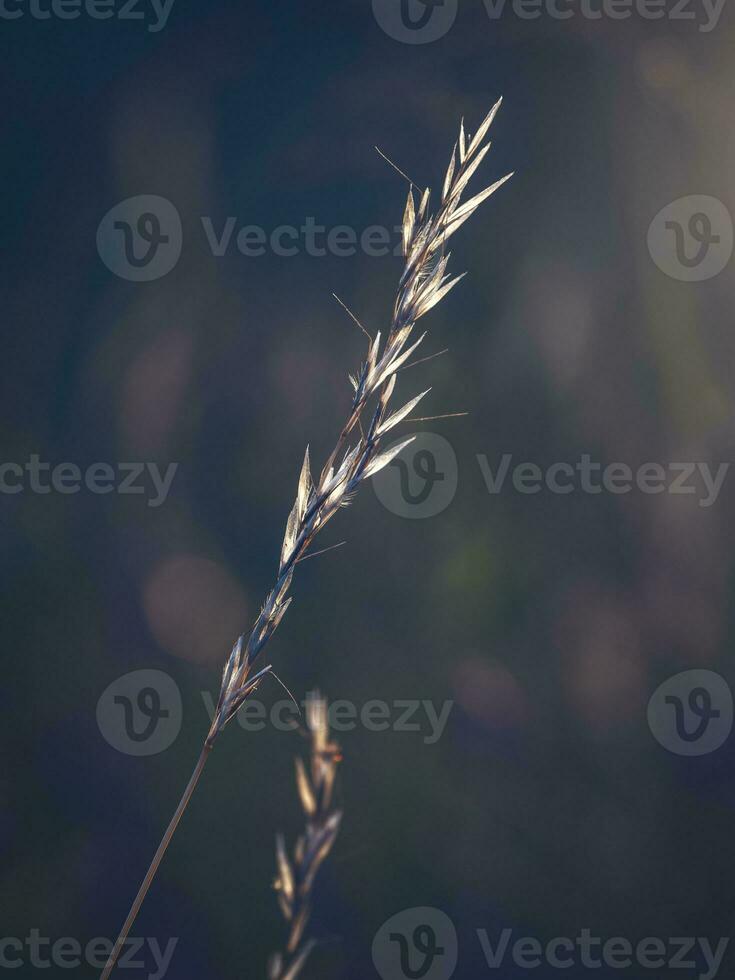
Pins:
<point x="547" y="806"/>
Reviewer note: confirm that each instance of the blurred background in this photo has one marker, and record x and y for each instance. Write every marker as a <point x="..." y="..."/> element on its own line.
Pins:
<point x="557" y="796"/>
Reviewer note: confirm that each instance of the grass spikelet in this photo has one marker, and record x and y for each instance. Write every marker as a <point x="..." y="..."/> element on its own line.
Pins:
<point x="296" y="876"/>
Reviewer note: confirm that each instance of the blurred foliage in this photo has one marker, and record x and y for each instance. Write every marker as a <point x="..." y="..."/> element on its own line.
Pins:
<point x="548" y="619"/>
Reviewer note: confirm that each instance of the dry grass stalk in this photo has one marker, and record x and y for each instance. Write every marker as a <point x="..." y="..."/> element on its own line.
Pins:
<point x="295" y="880"/>
<point x="423" y="284"/>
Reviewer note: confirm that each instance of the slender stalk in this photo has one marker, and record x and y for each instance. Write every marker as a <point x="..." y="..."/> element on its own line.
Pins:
<point x="157" y="858"/>
<point x="422" y="285"/>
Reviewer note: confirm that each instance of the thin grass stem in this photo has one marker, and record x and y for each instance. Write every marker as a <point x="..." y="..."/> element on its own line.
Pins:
<point x="157" y="858"/>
